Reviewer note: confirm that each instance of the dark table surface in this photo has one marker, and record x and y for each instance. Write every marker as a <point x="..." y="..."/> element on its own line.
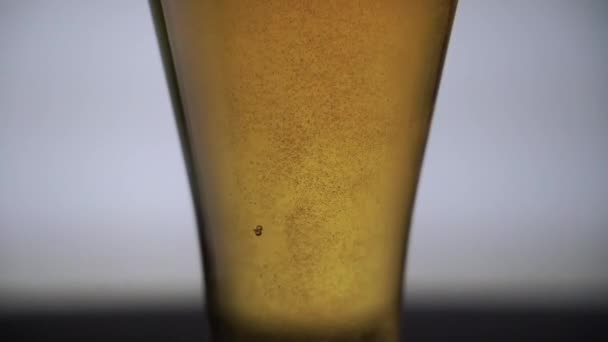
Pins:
<point x="419" y="324"/>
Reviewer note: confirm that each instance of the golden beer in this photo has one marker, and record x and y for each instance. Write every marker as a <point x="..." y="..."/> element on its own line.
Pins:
<point x="306" y="123"/>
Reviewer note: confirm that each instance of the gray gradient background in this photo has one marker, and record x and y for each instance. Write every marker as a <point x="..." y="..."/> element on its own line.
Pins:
<point x="94" y="201"/>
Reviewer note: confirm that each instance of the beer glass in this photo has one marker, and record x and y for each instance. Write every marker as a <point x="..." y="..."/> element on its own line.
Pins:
<point x="305" y="123"/>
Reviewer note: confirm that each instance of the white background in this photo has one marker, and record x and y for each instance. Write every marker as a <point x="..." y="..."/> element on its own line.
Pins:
<point x="94" y="201"/>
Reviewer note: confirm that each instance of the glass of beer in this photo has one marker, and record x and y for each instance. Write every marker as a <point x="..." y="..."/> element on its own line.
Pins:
<point x="305" y="123"/>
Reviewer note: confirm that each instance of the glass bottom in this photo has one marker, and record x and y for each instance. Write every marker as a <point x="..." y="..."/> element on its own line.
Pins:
<point x="386" y="331"/>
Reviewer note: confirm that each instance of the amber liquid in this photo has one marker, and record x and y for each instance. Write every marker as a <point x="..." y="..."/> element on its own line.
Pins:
<point x="307" y="122"/>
